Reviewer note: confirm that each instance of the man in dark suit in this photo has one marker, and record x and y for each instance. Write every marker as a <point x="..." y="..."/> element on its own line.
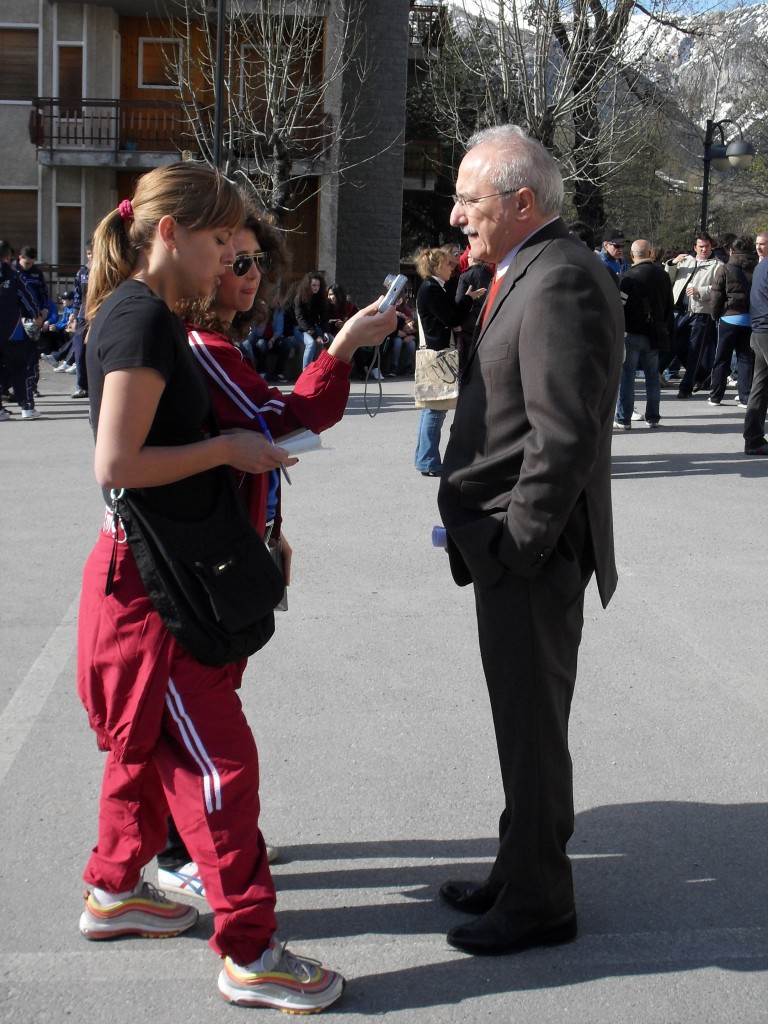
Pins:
<point x="525" y="497"/>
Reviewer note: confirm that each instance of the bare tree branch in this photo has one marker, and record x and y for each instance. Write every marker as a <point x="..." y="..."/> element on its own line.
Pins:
<point x="288" y="110"/>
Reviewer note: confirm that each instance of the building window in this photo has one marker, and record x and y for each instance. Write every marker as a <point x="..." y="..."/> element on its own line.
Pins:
<point x="156" y="57"/>
<point x="18" y="76"/>
<point x="68" y="225"/>
<point x="70" y="88"/>
<point x="18" y="216"/>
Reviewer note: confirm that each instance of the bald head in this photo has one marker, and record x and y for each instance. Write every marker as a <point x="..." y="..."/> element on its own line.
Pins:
<point x="640" y="249"/>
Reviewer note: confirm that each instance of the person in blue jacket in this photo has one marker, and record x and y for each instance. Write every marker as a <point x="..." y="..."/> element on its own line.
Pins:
<point x="32" y="276"/>
<point x="18" y="352"/>
<point x="612" y="252"/>
<point x="80" y="323"/>
<point x="57" y="332"/>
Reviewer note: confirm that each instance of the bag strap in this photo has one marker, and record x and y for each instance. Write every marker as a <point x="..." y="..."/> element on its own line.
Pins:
<point x="115" y="496"/>
<point x="422" y="339"/>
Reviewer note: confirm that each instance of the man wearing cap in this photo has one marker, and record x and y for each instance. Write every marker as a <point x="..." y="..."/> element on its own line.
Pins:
<point x="612" y="253"/>
<point x="58" y="338"/>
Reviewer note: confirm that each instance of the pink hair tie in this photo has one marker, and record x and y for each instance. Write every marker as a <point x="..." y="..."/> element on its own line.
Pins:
<point x="125" y="210"/>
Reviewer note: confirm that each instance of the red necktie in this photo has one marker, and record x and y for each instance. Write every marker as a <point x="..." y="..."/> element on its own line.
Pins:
<point x="491" y="296"/>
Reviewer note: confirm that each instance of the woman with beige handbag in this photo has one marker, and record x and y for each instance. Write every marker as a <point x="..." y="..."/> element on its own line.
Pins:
<point x="436" y="385"/>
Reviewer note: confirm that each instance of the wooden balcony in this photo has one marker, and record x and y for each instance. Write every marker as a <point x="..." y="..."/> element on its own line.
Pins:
<point x="131" y="133"/>
<point x="99" y="132"/>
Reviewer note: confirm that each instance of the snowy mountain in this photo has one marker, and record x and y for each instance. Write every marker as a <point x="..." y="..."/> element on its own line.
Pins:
<point x="714" y="70"/>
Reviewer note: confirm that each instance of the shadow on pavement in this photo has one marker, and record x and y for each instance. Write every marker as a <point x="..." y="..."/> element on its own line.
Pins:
<point x="664" y="886"/>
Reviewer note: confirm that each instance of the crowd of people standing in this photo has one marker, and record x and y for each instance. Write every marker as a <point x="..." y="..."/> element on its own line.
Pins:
<point x="696" y="321"/>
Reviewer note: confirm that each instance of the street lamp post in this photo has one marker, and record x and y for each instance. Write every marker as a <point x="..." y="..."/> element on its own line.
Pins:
<point x="722" y="157"/>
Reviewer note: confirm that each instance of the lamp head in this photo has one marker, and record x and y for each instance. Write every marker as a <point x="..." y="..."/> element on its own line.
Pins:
<point x="740" y="153"/>
<point x="719" y="158"/>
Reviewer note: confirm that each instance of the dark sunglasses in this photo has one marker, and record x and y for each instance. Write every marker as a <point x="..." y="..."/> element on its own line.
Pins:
<point x="245" y="261"/>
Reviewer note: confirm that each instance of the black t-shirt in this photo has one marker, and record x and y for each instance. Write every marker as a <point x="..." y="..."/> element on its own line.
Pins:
<point x="135" y="328"/>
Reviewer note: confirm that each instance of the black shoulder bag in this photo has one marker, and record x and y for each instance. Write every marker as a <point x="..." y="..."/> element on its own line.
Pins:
<point x="212" y="581"/>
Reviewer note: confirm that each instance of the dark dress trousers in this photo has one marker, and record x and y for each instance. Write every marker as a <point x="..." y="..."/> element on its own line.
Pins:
<point x="525" y="497"/>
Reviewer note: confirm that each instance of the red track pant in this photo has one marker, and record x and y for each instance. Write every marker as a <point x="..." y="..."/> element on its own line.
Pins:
<point x="178" y="740"/>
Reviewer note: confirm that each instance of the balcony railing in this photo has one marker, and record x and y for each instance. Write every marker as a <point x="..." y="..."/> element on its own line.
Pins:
<point x="96" y="126"/>
<point x="107" y="125"/>
<point x="427" y="25"/>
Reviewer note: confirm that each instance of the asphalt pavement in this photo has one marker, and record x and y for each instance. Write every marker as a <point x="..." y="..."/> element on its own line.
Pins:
<point x="379" y="774"/>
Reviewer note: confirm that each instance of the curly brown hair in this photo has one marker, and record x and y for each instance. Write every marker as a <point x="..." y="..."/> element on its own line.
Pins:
<point x="202" y="313"/>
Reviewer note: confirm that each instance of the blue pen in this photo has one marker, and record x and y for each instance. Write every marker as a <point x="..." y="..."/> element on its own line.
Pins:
<point x="271" y="440"/>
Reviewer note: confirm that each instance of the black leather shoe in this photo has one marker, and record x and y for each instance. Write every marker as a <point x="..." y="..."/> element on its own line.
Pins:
<point x="494" y="934"/>
<point x="431" y="472"/>
<point x="468" y="897"/>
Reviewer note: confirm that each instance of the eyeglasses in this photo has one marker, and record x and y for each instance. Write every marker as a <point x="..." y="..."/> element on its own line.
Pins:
<point x="618" y="245"/>
<point x="463" y="202"/>
<point x="243" y="263"/>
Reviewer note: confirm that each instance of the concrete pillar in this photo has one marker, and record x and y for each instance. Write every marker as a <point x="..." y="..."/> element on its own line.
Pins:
<point x="370" y="194"/>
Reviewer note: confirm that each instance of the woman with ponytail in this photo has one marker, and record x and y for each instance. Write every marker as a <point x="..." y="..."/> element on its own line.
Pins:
<point x="174" y="731"/>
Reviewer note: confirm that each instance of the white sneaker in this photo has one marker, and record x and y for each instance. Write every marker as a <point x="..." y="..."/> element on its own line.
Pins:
<point x="71" y="369"/>
<point x="637" y="415"/>
<point x="376" y="374"/>
<point x="188" y="882"/>
<point x="61" y="368"/>
<point x="282" y="980"/>
<point x="30" y="414"/>
<point x="184" y="880"/>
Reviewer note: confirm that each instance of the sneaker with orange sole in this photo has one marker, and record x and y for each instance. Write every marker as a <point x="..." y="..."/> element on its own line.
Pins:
<point x="147" y="914"/>
<point x="281" y="980"/>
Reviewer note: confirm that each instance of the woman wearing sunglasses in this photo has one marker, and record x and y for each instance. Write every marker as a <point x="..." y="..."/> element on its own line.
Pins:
<point x="242" y="399"/>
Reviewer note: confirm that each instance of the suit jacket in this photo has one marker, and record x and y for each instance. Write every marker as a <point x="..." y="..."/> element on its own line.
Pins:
<point x="528" y="464"/>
